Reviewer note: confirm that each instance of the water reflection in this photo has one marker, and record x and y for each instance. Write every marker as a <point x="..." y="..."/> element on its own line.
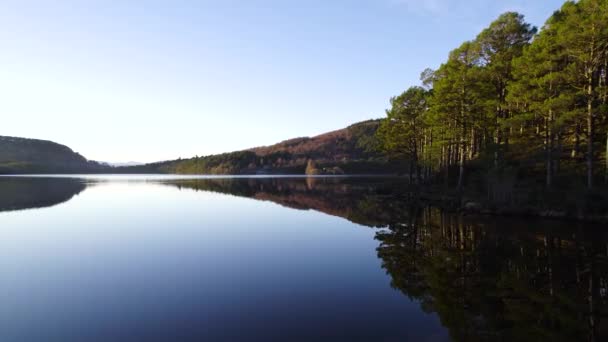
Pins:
<point x="373" y="202"/>
<point x="485" y="278"/>
<point x="18" y="193"/>
<point x="501" y="279"/>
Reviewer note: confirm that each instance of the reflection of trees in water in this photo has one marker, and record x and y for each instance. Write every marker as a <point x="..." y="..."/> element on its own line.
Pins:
<point x="17" y="193"/>
<point x="487" y="279"/>
<point x="488" y="282"/>
<point x="368" y="201"/>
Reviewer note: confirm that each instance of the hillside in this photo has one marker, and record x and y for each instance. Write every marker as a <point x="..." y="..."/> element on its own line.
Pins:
<point x="20" y="155"/>
<point x="353" y="142"/>
<point x="350" y="150"/>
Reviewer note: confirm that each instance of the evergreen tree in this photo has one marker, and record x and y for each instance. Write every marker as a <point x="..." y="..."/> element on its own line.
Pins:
<point x="540" y="94"/>
<point x="584" y="35"/>
<point x="455" y="104"/>
<point x="403" y="131"/>
<point x="500" y="43"/>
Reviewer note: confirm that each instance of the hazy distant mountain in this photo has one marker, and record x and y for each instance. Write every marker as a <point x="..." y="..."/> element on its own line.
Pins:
<point x="20" y="155"/>
<point x="129" y="163"/>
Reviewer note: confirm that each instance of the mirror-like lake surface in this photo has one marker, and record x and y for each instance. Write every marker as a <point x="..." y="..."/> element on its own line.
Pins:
<point x="152" y="258"/>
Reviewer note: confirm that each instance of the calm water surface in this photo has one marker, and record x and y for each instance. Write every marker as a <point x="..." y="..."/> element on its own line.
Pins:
<point x="142" y="258"/>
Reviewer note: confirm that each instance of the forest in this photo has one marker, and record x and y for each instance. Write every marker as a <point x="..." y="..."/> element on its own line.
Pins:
<point x="351" y="150"/>
<point x="516" y="106"/>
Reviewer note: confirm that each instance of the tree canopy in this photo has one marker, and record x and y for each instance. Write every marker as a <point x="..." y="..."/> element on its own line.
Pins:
<point x="514" y="99"/>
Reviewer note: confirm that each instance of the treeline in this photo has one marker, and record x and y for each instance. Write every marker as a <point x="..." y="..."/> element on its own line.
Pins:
<point x="350" y="150"/>
<point x="513" y="100"/>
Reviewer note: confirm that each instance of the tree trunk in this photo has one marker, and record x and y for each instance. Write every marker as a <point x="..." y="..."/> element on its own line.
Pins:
<point x="496" y="147"/>
<point x="590" y="131"/>
<point x="472" y="145"/>
<point x="549" y="148"/>
<point x="446" y="166"/>
<point x="411" y="172"/>
<point x="461" y="164"/>
<point x="604" y="86"/>
<point x="558" y="156"/>
<point x="577" y="141"/>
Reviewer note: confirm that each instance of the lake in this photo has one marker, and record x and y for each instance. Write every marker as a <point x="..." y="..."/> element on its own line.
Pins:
<point x="163" y="258"/>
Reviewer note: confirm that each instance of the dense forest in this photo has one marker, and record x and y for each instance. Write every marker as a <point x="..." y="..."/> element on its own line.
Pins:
<point x="515" y="106"/>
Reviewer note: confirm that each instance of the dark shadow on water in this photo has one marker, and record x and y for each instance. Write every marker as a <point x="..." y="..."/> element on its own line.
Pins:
<point x="20" y="193"/>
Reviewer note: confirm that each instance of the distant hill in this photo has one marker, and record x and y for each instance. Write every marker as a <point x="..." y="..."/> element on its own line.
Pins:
<point x="122" y="164"/>
<point x="351" y="150"/>
<point x="20" y="155"/>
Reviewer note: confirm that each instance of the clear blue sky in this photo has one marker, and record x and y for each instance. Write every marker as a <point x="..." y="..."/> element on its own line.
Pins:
<point x="156" y="80"/>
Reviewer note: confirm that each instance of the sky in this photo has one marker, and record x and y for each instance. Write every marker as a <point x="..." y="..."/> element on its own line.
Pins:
<point x="156" y="80"/>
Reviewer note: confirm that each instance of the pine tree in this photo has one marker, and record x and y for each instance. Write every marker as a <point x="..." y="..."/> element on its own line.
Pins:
<point x="455" y="92"/>
<point x="540" y="94"/>
<point x="584" y="35"/>
<point x="500" y="43"/>
<point x="403" y="130"/>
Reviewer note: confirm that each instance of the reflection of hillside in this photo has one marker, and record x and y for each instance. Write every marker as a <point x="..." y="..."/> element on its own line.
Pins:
<point x="368" y="201"/>
<point x="486" y="279"/>
<point x="18" y="193"/>
<point x="514" y="282"/>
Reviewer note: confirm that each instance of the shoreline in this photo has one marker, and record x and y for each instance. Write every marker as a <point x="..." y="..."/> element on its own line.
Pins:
<point x="463" y="203"/>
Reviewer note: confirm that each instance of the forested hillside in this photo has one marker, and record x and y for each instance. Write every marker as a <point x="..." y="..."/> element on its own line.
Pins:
<point x="20" y="155"/>
<point x="350" y="150"/>
<point x="514" y="108"/>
